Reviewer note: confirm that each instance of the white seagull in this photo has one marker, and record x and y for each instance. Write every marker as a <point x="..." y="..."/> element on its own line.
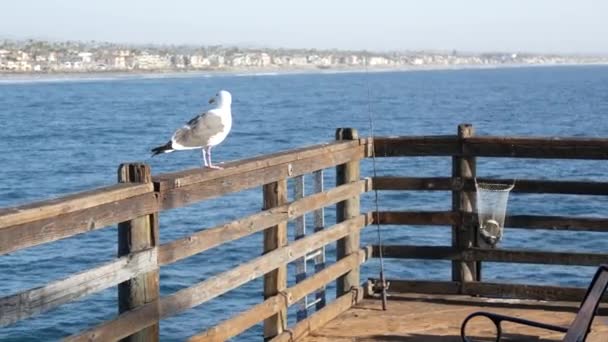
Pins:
<point x="203" y="131"/>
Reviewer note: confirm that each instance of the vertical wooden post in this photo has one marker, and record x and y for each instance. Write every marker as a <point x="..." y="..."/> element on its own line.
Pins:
<point x="463" y="233"/>
<point x="347" y="173"/>
<point x="275" y="194"/>
<point x="135" y="235"/>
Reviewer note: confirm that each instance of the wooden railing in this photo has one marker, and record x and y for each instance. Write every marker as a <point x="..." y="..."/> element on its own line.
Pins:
<point x="135" y="204"/>
<point x="468" y="250"/>
<point x="137" y="201"/>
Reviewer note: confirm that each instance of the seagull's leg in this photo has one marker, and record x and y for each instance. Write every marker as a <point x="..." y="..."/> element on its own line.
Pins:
<point x="204" y="157"/>
<point x="211" y="166"/>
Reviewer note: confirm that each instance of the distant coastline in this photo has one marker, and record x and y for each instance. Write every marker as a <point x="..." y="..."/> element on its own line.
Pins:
<point x="30" y="77"/>
<point x="32" y="59"/>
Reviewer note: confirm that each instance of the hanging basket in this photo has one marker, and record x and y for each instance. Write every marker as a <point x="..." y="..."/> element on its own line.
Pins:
<point x="492" y="201"/>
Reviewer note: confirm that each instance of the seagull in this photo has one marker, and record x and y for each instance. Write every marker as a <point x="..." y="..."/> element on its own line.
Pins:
<point x="204" y="131"/>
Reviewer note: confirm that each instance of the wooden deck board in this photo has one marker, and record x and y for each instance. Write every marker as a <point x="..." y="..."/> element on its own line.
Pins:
<point x="412" y="317"/>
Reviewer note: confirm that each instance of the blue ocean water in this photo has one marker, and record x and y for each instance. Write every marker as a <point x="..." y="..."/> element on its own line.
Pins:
<point x="62" y="136"/>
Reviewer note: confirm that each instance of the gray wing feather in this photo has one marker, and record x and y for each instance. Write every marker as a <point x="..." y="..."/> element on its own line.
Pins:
<point x="199" y="130"/>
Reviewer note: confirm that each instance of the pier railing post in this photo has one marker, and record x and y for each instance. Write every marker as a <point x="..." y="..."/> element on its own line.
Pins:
<point x="136" y="235"/>
<point x="463" y="202"/>
<point x="275" y="194"/>
<point x="347" y="173"/>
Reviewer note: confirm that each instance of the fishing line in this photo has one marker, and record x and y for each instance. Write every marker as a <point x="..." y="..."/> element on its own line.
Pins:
<point x="382" y="286"/>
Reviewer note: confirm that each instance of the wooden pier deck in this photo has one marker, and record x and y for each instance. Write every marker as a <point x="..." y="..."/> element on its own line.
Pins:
<point x="437" y="318"/>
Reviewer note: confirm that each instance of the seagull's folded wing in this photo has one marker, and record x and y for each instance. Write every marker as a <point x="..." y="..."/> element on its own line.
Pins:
<point x="199" y="130"/>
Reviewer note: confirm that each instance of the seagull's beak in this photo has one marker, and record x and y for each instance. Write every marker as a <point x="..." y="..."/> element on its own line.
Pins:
<point x="212" y="100"/>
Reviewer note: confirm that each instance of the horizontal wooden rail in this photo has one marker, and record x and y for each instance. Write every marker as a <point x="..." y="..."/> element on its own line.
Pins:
<point x="209" y="238"/>
<point x="47" y="221"/>
<point x="557" y="223"/>
<point x="13" y="238"/>
<point x="273" y="305"/>
<point x="135" y="320"/>
<point x="442" y="145"/>
<point x="446" y="218"/>
<point x="69" y="204"/>
<point x="31" y="302"/>
<point x="523" y="147"/>
<point x="195" y="192"/>
<point x="421" y="218"/>
<point x="196" y="176"/>
<point x="489" y="146"/>
<point x="489" y="289"/>
<point x="521" y="185"/>
<point x="491" y="255"/>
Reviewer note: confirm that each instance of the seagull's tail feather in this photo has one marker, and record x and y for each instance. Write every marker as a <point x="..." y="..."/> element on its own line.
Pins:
<point x="166" y="148"/>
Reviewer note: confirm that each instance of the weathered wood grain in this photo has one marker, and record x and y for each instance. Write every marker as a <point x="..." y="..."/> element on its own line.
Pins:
<point x="345" y="174"/>
<point x="50" y="229"/>
<point x="490" y="289"/>
<point x="442" y="145"/>
<point x="530" y="147"/>
<point x="217" y="285"/>
<point x="273" y="305"/>
<point x="212" y="237"/>
<point x="445" y="218"/>
<point x="521" y="185"/>
<point x="184" y="195"/>
<point x="492" y="255"/>
<point x="490" y="146"/>
<point x="194" y="176"/>
<point x="597" y="224"/>
<point x="419" y="218"/>
<point x="31" y="302"/>
<point x="275" y="237"/>
<point x="321" y="317"/>
<point x="135" y="235"/>
<point x="68" y="204"/>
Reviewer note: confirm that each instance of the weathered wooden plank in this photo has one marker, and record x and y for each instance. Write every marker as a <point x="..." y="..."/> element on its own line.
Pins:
<point x="444" y="218"/>
<point x="463" y="201"/>
<point x="69" y="204"/>
<point x="347" y="173"/>
<point x="120" y="327"/>
<point x="135" y="235"/>
<point x="194" y="176"/>
<point x="321" y="317"/>
<point x="417" y="252"/>
<point x="489" y="289"/>
<point x="557" y="223"/>
<point x="529" y="147"/>
<point x="492" y="255"/>
<point x="275" y="237"/>
<point x="488" y="146"/>
<point x="414" y="183"/>
<point x="50" y="229"/>
<point x="428" y="218"/>
<point x="521" y="185"/>
<point x="217" y="285"/>
<point x="255" y="268"/>
<point x="213" y="237"/>
<point x="272" y="305"/>
<point x="185" y="195"/>
<point x="31" y="302"/>
<point x="445" y="145"/>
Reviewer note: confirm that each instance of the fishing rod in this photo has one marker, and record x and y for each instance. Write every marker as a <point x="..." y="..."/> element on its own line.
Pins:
<point x="381" y="287"/>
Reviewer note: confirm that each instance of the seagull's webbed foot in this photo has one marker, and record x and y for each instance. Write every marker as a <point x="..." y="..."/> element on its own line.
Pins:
<point x="215" y="167"/>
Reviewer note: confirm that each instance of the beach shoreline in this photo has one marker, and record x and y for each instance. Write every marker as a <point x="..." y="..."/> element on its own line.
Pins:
<point x="31" y="77"/>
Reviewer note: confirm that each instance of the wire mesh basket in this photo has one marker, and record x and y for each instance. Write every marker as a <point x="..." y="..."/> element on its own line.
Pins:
<point x="492" y="201"/>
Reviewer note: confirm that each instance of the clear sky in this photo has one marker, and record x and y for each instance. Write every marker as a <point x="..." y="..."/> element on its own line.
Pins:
<point x="569" y="26"/>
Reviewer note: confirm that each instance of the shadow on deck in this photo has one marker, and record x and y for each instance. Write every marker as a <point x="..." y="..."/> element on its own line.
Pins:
<point x="434" y="318"/>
